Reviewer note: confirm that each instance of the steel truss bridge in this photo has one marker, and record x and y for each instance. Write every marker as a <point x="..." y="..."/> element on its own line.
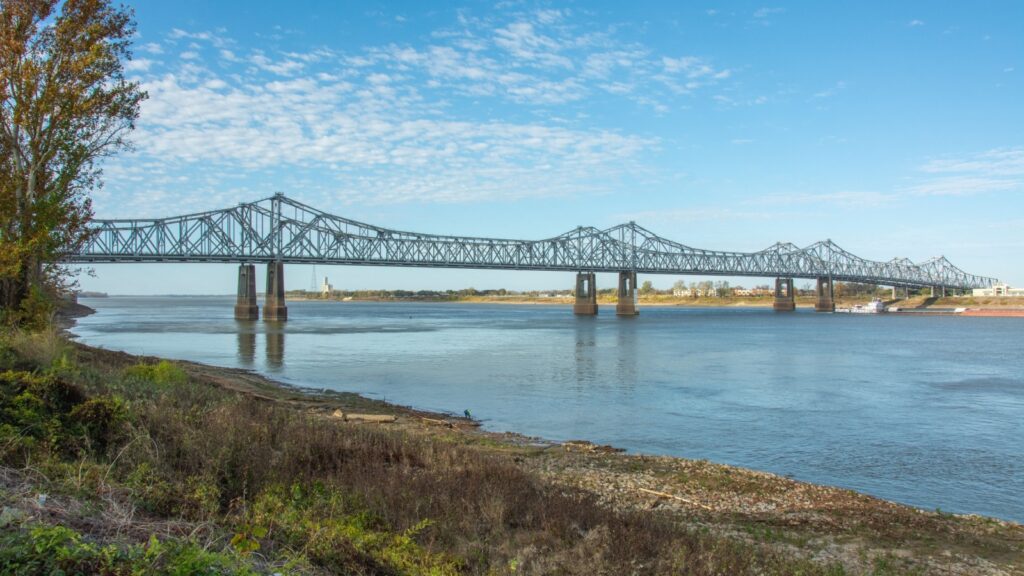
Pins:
<point x="279" y="229"/>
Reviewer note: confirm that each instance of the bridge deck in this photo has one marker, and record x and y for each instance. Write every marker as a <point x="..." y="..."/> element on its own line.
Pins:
<point x="282" y="229"/>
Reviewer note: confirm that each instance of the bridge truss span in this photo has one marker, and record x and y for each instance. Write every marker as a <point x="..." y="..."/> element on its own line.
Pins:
<point x="279" y="229"/>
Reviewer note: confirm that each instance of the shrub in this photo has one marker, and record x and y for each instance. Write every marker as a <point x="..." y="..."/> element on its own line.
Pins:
<point x="102" y="421"/>
<point x="48" y="408"/>
<point x="42" y="549"/>
<point x="163" y="373"/>
<point x="23" y="350"/>
<point x="332" y="531"/>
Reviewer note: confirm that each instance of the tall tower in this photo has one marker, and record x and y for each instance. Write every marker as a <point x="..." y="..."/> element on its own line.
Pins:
<point x="312" y="281"/>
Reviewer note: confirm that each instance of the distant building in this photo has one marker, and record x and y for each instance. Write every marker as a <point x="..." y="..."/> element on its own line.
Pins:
<point x="692" y="292"/>
<point x="751" y="292"/>
<point x="326" y="288"/>
<point x="999" y="290"/>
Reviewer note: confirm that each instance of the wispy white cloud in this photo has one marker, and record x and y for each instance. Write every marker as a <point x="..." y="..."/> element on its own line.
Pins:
<point x="842" y="198"/>
<point x="543" y="58"/>
<point x="138" y="65"/>
<point x="997" y="162"/>
<point x="526" y="45"/>
<point x="963" y="186"/>
<point x="386" y="123"/>
<point x="287" y="67"/>
<point x="670" y="218"/>
<point x="915" y="23"/>
<point x="766" y="12"/>
<point x="997" y="170"/>
<point x="831" y="91"/>
<point x="371" y="137"/>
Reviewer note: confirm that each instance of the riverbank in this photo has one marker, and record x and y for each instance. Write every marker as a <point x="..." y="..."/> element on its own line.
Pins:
<point x="721" y="514"/>
<point x="1013" y="305"/>
<point x="825" y="526"/>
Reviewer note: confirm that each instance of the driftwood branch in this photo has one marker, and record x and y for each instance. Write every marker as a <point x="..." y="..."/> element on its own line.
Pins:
<point x="674" y="497"/>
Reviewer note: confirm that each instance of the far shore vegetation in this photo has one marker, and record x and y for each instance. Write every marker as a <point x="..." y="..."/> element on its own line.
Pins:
<point x="702" y="293"/>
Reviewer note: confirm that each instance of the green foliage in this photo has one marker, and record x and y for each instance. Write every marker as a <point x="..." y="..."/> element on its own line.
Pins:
<point x="42" y="549"/>
<point x="47" y="412"/>
<point x="64" y="104"/>
<point x="162" y="373"/>
<point x="331" y="529"/>
<point x="246" y="540"/>
<point x="151" y="491"/>
<point x="35" y="311"/>
<point x="33" y="350"/>
<point x="101" y="421"/>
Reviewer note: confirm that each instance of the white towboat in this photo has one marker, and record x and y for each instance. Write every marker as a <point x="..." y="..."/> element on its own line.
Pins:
<point x="876" y="306"/>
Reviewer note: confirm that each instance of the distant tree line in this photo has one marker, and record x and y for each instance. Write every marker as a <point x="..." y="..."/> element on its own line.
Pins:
<point x="681" y="288"/>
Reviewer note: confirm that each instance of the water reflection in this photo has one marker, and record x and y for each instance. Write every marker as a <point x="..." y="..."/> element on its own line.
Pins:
<point x="275" y="346"/>
<point x="585" y="351"/>
<point x="246" y="343"/>
<point x="625" y="356"/>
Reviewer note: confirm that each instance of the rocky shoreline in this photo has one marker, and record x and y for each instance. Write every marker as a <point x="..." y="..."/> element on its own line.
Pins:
<point x="818" y="523"/>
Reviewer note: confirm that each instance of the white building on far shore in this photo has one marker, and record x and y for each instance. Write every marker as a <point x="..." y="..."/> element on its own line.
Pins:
<point x="326" y="288"/>
<point x="1000" y="289"/>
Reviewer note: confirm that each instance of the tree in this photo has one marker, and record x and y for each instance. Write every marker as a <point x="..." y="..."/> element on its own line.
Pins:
<point x="64" y="105"/>
<point x="647" y="287"/>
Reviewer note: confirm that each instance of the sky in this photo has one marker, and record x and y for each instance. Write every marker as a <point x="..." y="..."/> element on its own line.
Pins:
<point x="894" y="129"/>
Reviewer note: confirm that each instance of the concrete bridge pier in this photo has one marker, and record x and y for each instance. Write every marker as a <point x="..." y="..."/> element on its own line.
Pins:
<point x="246" y="307"/>
<point x="627" y="295"/>
<point x="274" y="309"/>
<point x="826" y="301"/>
<point x="586" y="294"/>
<point x="785" y="297"/>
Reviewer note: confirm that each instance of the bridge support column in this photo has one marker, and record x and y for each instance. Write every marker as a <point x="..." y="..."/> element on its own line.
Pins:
<point x="245" y="306"/>
<point x="586" y="294"/>
<point x="826" y="297"/>
<point x="627" y="295"/>
<point x="274" y="309"/>
<point x="785" y="297"/>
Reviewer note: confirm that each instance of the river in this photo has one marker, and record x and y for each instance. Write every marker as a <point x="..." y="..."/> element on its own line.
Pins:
<point x="924" y="410"/>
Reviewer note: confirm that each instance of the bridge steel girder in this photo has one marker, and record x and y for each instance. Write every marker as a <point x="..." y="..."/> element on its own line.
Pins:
<point x="279" y="229"/>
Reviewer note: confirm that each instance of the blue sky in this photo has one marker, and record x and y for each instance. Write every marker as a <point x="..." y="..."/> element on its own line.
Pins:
<point x="895" y="129"/>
